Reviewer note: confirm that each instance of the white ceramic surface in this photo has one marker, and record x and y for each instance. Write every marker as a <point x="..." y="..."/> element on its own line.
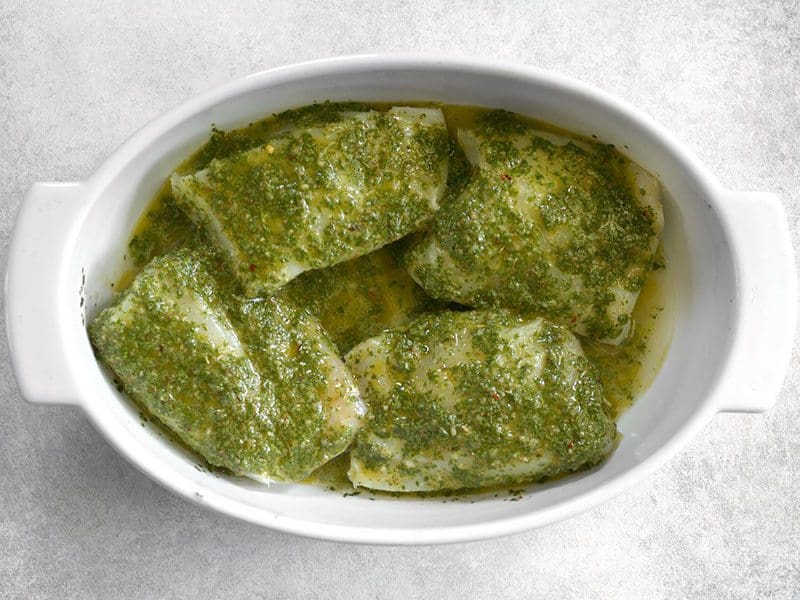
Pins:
<point x="729" y="252"/>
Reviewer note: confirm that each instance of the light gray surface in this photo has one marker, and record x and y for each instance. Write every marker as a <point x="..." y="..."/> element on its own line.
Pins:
<point x="722" y="520"/>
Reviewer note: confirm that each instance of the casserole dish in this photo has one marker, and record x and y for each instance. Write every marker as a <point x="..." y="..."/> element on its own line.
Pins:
<point x="729" y="253"/>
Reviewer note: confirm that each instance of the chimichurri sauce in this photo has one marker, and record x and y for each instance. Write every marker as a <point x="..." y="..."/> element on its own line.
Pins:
<point x="363" y="308"/>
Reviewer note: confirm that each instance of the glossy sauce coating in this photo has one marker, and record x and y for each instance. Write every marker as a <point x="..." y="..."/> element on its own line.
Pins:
<point x="350" y="297"/>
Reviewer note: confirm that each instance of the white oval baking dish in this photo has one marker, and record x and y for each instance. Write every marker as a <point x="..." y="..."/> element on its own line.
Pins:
<point x="730" y="255"/>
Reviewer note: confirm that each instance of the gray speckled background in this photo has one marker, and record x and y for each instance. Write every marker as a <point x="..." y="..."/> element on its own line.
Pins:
<point x="76" y="521"/>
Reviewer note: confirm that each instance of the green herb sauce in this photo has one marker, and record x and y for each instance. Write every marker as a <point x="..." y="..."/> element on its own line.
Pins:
<point x="316" y="196"/>
<point x="539" y="226"/>
<point x="469" y="399"/>
<point x="365" y="296"/>
<point x="254" y="386"/>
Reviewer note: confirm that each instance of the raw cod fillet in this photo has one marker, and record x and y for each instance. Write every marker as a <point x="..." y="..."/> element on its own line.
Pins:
<point x="558" y="226"/>
<point x="319" y="195"/>
<point x="470" y="399"/>
<point x="253" y="386"/>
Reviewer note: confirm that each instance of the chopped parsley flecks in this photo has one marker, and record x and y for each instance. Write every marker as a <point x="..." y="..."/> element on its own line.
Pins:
<point x="472" y="399"/>
<point x="530" y="218"/>
<point x="543" y="223"/>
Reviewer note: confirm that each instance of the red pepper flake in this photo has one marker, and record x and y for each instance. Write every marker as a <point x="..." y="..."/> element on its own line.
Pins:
<point x="505" y="176"/>
<point x="495" y="395"/>
<point x="570" y="445"/>
<point x="574" y="319"/>
<point x="252" y="267"/>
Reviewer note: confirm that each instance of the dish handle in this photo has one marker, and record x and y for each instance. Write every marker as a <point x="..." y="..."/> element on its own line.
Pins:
<point x="766" y="283"/>
<point x="34" y="292"/>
